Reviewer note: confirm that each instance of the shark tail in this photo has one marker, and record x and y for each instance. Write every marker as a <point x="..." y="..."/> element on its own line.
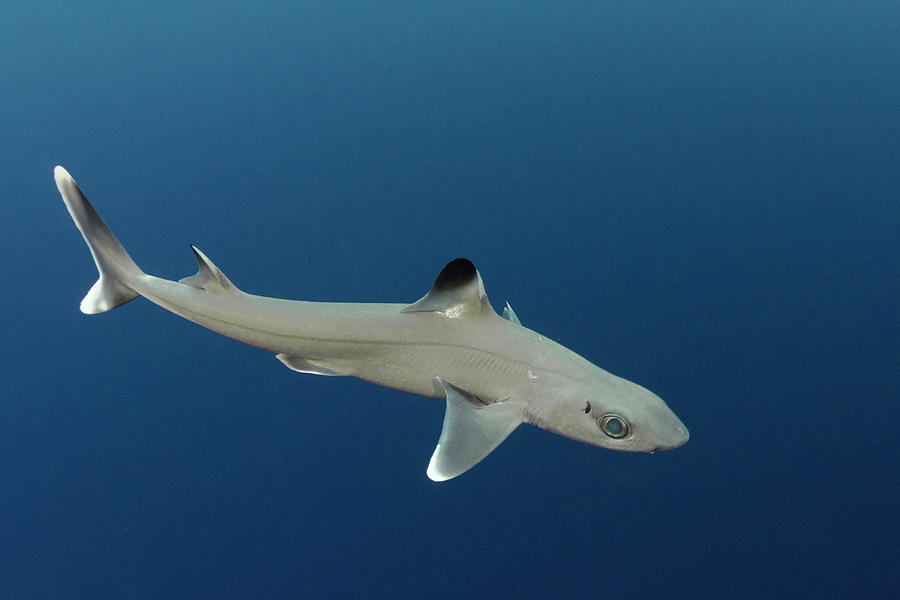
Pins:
<point x="115" y="266"/>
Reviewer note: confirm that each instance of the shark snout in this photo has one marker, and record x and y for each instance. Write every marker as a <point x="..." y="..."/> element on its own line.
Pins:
<point x="668" y="431"/>
<point x="672" y="434"/>
<point x="678" y="436"/>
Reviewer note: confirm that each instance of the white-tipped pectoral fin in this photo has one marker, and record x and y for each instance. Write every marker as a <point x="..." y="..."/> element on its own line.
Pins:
<point x="471" y="431"/>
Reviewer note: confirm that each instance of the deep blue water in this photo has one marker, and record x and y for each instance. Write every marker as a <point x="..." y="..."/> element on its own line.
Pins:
<point x="702" y="197"/>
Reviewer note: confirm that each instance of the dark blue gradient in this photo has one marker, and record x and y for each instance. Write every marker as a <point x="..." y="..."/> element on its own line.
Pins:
<point x="702" y="197"/>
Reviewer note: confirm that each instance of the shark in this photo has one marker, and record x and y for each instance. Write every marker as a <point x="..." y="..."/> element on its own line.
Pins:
<point x="493" y="373"/>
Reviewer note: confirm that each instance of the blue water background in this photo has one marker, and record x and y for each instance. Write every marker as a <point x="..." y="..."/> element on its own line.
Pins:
<point x="702" y="197"/>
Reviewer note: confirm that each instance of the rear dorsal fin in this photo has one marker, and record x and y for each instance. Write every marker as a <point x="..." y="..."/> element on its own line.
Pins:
<point x="457" y="292"/>
<point x="209" y="277"/>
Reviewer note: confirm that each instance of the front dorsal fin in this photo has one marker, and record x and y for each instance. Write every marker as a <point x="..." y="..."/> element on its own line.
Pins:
<point x="209" y="277"/>
<point x="457" y="292"/>
<point x="471" y="431"/>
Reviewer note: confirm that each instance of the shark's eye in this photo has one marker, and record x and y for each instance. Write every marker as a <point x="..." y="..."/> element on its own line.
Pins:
<point x="614" y="426"/>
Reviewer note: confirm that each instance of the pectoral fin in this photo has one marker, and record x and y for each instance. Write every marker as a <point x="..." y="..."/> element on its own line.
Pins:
<point x="471" y="431"/>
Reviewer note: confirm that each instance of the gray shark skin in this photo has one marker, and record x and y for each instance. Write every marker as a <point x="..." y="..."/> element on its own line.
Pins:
<point x="493" y="372"/>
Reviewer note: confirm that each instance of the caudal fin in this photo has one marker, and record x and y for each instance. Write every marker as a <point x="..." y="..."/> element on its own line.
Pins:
<point x="113" y="263"/>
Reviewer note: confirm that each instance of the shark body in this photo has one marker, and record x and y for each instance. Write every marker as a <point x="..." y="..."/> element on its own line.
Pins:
<point x="494" y="373"/>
